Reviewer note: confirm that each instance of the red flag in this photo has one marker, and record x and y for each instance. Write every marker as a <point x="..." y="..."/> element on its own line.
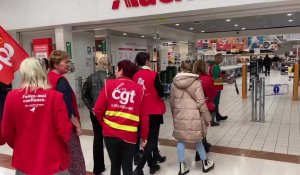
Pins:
<point x="11" y="56"/>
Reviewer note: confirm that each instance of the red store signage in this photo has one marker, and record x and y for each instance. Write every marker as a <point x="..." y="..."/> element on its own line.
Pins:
<point x="138" y="3"/>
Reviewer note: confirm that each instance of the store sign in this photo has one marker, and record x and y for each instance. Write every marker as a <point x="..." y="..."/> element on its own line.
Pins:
<point x="138" y="3"/>
<point x="68" y="49"/>
<point x="42" y="47"/>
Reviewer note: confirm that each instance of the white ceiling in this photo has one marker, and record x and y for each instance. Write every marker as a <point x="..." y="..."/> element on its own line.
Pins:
<point x="273" y="24"/>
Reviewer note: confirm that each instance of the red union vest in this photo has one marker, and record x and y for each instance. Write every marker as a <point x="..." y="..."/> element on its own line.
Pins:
<point x="53" y="79"/>
<point x="122" y="116"/>
<point x="146" y="77"/>
<point x="210" y="69"/>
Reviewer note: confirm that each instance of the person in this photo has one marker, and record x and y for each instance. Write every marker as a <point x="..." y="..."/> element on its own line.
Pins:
<point x="267" y="64"/>
<point x="260" y="65"/>
<point x="275" y="60"/>
<point x="90" y="91"/>
<point x="219" y="79"/>
<point x="120" y="109"/>
<point x="60" y="65"/>
<point x="4" y="89"/>
<point x="187" y="102"/>
<point x="153" y="93"/>
<point x="39" y="136"/>
<point x="209" y="89"/>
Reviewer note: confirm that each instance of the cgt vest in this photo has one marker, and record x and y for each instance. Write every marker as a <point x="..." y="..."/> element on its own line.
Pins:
<point x="53" y="79"/>
<point x="146" y="78"/>
<point x="122" y="117"/>
<point x="219" y="87"/>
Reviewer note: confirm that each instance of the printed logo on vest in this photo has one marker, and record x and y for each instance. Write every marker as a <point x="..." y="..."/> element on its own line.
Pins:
<point x="123" y="95"/>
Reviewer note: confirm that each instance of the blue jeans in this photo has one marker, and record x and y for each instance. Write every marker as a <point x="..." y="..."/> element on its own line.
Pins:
<point x="181" y="150"/>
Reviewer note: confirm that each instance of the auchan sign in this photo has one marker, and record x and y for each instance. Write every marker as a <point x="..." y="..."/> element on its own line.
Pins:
<point x="138" y="3"/>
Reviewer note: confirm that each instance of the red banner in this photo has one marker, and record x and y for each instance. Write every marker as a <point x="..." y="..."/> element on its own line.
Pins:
<point x="11" y="56"/>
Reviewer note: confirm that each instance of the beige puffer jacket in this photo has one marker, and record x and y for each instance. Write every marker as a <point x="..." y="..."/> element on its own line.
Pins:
<point x="190" y="113"/>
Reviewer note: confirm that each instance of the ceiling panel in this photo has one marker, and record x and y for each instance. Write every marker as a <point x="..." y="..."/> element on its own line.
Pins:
<point x="236" y="24"/>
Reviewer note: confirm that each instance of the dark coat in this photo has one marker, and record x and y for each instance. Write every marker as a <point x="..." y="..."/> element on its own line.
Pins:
<point x="92" y="87"/>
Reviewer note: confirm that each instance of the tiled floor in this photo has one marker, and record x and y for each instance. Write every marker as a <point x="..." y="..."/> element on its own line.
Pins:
<point x="279" y="134"/>
<point x="224" y="164"/>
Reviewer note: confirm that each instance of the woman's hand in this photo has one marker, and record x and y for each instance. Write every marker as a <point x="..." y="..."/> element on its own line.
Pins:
<point x="78" y="131"/>
<point x="144" y="143"/>
<point x="77" y="125"/>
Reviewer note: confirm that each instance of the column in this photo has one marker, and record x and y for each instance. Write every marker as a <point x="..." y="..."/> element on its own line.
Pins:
<point x="63" y="36"/>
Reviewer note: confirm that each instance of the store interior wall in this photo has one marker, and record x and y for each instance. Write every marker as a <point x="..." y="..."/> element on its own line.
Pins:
<point x="83" y="59"/>
<point x="118" y="42"/>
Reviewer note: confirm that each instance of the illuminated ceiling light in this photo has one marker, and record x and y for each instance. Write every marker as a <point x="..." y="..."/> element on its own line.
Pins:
<point x="289" y="14"/>
<point x="143" y="36"/>
<point x="228" y="20"/>
<point x="243" y="28"/>
<point x="291" y="20"/>
<point x="236" y="25"/>
<point x="191" y="28"/>
<point x="177" y="24"/>
<point x="124" y="34"/>
<point x="203" y="31"/>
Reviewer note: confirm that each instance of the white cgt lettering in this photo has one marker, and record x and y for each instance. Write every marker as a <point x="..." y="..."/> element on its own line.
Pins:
<point x="124" y="97"/>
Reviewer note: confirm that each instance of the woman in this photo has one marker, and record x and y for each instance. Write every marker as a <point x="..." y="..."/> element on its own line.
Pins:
<point x="120" y="110"/>
<point x="60" y="65"/>
<point x="190" y="115"/>
<point x="39" y="136"/>
<point x="209" y="89"/>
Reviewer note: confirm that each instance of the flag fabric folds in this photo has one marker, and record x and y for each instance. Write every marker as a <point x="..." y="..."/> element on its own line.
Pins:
<point x="11" y="56"/>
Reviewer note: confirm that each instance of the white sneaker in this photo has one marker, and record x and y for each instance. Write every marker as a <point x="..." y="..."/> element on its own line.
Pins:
<point x="207" y="165"/>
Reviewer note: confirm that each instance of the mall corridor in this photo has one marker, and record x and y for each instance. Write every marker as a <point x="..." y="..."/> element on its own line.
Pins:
<point x="240" y="147"/>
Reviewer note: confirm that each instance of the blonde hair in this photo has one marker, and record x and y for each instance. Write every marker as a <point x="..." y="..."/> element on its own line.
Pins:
<point x="199" y="67"/>
<point x="33" y="76"/>
<point x="57" y="56"/>
<point x="102" y="63"/>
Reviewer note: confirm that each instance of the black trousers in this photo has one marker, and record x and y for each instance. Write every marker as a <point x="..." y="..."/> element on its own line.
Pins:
<point x="151" y="147"/>
<point x="120" y="154"/>
<point x="267" y="72"/>
<point x="98" y="151"/>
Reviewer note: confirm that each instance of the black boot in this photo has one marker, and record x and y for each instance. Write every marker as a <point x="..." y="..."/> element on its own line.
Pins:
<point x="213" y="123"/>
<point x="214" y="119"/>
<point x="182" y="169"/>
<point x="218" y="115"/>
<point x="154" y="168"/>
<point x="157" y="157"/>
<point x="138" y="171"/>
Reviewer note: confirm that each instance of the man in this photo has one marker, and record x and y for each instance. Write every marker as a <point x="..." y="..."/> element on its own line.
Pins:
<point x="153" y="93"/>
<point x="267" y="64"/>
<point x="90" y="92"/>
<point x="219" y="79"/>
